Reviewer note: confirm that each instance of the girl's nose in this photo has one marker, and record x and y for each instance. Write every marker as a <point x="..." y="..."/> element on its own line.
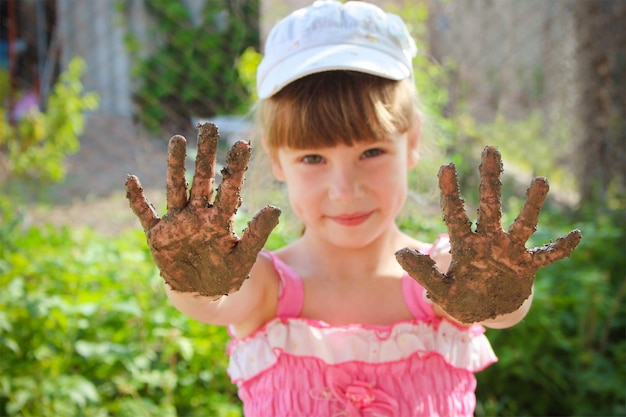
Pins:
<point x="345" y="184"/>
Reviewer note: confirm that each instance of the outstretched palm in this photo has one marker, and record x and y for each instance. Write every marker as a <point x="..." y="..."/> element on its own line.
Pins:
<point x="492" y="272"/>
<point x="194" y="244"/>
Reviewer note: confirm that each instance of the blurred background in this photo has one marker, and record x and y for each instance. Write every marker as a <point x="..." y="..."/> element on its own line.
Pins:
<point x="92" y="90"/>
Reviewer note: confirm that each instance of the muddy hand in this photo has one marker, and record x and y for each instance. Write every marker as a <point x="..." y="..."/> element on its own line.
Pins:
<point x="194" y="244"/>
<point x="492" y="272"/>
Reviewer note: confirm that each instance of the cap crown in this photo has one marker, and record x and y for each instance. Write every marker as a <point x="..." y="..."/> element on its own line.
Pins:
<point x="331" y="35"/>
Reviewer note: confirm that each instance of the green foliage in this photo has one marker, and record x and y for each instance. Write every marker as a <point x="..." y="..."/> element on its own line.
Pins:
<point x="86" y="330"/>
<point x="247" y="65"/>
<point x="568" y="355"/>
<point x="4" y="85"/>
<point x="527" y="150"/>
<point x="35" y="148"/>
<point x="194" y="69"/>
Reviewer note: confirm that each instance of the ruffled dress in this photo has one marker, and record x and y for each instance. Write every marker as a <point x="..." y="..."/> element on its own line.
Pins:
<point x="295" y="366"/>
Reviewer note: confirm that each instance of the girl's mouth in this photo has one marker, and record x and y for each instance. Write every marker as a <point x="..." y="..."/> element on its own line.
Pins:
<point x="352" y="219"/>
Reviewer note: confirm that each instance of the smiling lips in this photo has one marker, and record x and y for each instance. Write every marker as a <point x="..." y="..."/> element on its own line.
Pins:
<point x="352" y="219"/>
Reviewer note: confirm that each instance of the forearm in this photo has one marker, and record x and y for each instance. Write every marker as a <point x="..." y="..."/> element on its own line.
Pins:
<point x="192" y="304"/>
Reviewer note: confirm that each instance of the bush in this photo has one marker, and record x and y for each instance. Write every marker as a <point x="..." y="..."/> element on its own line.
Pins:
<point x="194" y="70"/>
<point x="86" y="329"/>
<point x="568" y="355"/>
<point x="35" y="147"/>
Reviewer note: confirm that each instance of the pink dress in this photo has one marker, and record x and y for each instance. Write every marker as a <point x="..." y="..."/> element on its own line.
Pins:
<point x="296" y="367"/>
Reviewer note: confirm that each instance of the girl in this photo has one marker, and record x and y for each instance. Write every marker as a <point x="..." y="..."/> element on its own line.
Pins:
<point x="331" y="324"/>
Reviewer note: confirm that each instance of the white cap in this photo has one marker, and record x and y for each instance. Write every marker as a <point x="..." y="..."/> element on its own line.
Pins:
<point x="330" y="35"/>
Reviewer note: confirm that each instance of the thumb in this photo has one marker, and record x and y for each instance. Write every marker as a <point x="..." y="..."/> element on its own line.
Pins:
<point x="259" y="228"/>
<point x="422" y="268"/>
<point x="561" y="248"/>
<point x="140" y="205"/>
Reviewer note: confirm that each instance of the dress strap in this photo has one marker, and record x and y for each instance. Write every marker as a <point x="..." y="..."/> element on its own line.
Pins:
<point x="414" y="294"/>
<point x="291" y="291"/>
<point x="415" y="297"/>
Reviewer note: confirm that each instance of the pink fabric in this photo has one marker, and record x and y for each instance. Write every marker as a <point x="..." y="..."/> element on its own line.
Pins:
<point x="291" y="295"/>
<point x="421" y="385"/>
<point x="299" y="367"/>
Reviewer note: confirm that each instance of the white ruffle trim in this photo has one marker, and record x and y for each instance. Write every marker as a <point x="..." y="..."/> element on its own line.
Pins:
<point x="462" y="348"/>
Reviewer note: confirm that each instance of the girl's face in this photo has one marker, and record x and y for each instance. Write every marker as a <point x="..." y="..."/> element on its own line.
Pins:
<point x="348" y="195"/>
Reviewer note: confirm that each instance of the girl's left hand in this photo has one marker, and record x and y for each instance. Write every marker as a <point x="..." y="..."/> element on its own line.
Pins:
<point x="492" y="272"/>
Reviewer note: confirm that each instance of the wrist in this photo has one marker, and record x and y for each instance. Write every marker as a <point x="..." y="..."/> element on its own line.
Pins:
<point x="511" y="319"/>
<point x="500" y="322"/>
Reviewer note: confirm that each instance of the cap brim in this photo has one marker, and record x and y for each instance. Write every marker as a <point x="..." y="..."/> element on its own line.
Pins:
<point x="329" y="58"/>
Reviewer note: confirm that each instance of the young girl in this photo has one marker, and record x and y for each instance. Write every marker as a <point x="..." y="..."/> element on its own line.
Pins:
<point x="331" y="324"/>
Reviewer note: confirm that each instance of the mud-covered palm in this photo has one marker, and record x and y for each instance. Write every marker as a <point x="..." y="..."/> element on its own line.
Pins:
<point x="492" y="272"/>
<point x="194" y="244"/>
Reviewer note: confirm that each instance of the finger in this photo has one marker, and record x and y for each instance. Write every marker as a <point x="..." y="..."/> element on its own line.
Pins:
<point x="140" y="205"/>
<point x="176" y="187"/>
<point x="204" y="175"/>
<point x="562" y="248"/>
<point x="228" y="198"/>
<point x="423" y="269"/>
<point x="526" y="223"/>
<point x="259" y="228"/>
<point x="490" y="195"/>
<point x="454" y="214"/>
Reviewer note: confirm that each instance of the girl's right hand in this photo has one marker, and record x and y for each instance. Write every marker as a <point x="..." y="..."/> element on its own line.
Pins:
<point x="194" y="244"/>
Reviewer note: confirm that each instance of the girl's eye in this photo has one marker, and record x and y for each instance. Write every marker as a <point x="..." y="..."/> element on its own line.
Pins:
<point x="370" y="153"/>
<point x="312" y="159"/>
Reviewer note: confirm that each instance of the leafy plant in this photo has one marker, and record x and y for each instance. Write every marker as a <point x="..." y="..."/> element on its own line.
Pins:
<point x="86" y="329"/>
<point x="36" y="146"/>
<point x="193" y="71"/>
<point x="568" y="356"/>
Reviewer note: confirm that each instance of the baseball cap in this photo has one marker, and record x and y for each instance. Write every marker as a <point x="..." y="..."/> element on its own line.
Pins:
<point x="330" y="35"/>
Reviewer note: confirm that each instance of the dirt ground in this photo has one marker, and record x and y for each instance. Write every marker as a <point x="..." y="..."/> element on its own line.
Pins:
<point x="93" y="193"/>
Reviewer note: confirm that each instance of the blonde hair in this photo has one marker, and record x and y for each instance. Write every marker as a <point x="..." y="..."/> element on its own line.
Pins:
<point x="337" y="107"/>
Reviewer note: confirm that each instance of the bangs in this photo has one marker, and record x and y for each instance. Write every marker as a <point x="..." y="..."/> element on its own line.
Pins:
<point x="337" y="107"/>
